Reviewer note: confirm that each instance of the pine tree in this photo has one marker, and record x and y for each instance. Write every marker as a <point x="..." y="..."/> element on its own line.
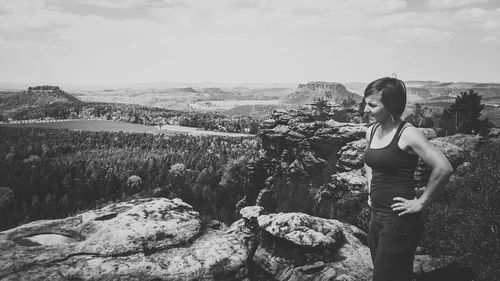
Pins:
<point x="463" y="115"/>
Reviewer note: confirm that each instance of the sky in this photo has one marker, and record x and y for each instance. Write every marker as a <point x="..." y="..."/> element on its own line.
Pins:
<point x="99" y="42"/>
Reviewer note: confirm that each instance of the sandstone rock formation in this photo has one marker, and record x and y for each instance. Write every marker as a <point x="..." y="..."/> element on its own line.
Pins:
<point x="297" y="246"/>
<point x="351" y="155"/>
<point x="143" y="239"/>
<point x="299" y="158"/>
<point x="162" y="239"/>
<point x="306" y="93"/>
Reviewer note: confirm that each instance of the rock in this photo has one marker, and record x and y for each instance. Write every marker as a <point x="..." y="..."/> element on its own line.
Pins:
<point x="302" y="229"/>
<point x="301" y="155"/>
<point x="215" y="224"/>
<point x="296" y="246"/>
<point x="251" y="212"/>
<point x="470" y="143"/>
<point x="427" y="268"/>
<point x="494" y="133"/>
<point x="354" y="181"/>
<point x="142" y="239"/>
<point x="429" y="133"/>
<point x="351" y="155"/>
<point x="307" y="93"/>
<point x="454" y="153"/>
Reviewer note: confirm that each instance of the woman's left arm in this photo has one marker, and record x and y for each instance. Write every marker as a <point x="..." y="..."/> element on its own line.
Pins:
<point x="415" y="141"/>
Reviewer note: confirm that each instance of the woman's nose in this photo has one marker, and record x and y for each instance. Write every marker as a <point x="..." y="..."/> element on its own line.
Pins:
<point x="367" y="110"/>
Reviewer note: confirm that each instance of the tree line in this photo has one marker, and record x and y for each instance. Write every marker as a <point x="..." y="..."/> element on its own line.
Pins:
<point x="56" y="173"/>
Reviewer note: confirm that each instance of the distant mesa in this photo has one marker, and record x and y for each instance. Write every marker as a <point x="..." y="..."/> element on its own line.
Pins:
<point x="45" y="88"/>
<point x="188" y="90"/>
<point x="332" y="91"/>
<point x="35" y="98"/>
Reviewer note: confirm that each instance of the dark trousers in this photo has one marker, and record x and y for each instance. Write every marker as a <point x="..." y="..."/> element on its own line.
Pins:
<point x="393" y="240"/>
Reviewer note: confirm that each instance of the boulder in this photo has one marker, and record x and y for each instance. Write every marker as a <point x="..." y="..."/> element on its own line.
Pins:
<point x="470" y="143"/>
<point x="355" y="181"/>
<point x="296" y="246"/>
<point x="142" y="239"/>
<point x="351" y="155"/>
<point x="251" y="213"/>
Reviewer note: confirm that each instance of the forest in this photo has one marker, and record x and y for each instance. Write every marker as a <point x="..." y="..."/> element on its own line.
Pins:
<point x="56" y="173"/>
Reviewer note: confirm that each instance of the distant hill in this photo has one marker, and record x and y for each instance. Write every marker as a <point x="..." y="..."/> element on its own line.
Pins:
<point x="331" y="91"/>
<point x="429" y="91"/>
<point x="37" y="102"/>
<point x="452" y="89"/>
<point x="187" y="90"/>
<point x="35" y="96"/>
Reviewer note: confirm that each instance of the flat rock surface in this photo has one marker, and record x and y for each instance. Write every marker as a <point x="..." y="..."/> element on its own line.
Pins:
<point x="142" y="239"/>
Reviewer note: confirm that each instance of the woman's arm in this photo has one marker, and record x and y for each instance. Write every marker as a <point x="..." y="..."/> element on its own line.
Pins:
<point x="368" y="170"/>
<point x="415" y="141"/>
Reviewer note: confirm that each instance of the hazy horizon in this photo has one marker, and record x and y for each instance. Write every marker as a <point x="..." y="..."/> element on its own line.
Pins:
<point x="203" y="84"/>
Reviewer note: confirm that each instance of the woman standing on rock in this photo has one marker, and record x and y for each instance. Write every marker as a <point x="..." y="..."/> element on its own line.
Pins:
<point x="391" y="156"/>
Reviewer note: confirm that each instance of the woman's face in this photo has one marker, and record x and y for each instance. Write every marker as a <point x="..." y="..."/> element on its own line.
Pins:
<point x="375" y="108"/>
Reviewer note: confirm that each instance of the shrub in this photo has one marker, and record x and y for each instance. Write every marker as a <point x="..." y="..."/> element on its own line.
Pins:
<point x="466" y="223"/>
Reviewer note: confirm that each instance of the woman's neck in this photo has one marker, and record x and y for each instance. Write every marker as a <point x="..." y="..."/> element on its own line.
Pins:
<point x="390" y="124"/>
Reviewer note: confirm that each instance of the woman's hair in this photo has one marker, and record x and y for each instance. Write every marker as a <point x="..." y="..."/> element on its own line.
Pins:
<point x="393" y="93"/>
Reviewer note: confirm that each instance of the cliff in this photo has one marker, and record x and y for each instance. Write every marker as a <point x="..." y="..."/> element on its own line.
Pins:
<point x="330" y="91"/>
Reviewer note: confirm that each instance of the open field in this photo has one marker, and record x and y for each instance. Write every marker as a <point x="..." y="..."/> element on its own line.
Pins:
<point x="116" y="126"/>
<point x="229" y="104"/>
<point x="188" y="98"/>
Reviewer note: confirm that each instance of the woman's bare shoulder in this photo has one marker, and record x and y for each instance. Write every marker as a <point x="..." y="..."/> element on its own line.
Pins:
<point x="412" y="136"/>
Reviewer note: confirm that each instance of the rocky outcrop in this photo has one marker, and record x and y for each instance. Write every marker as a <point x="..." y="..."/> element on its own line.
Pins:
<point x="351" y="155"/>
<point x="294" y="131"/>
<point x="162" y="239"/>
<point x="354" y="182"/>
<point x="470" y="143"/>
<point x="299" y="158"/>
<point x="297" y="246"/>
<point x="143" y="239"/>
<point x="307" y="93"/>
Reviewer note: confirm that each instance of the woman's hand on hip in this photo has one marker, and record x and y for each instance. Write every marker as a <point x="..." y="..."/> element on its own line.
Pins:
<point x="405" y="206"/>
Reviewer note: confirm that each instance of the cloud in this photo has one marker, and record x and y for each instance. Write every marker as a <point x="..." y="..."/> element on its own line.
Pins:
<point x="32" y="15"/>
<point x="396" y="19"/>
<point x="116" y="4"/>
<point x="249" y="4"/>
<point x="420" y="34"/>
<point x="449" y="4"/>
<point x="350" y="38"/>
<point x="490" y="39"/>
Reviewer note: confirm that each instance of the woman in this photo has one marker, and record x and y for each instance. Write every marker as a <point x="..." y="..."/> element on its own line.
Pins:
<point x="393" y="149"/>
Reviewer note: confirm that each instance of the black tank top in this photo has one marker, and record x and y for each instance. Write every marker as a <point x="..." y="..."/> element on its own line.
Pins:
<point x="392" y="172"/>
